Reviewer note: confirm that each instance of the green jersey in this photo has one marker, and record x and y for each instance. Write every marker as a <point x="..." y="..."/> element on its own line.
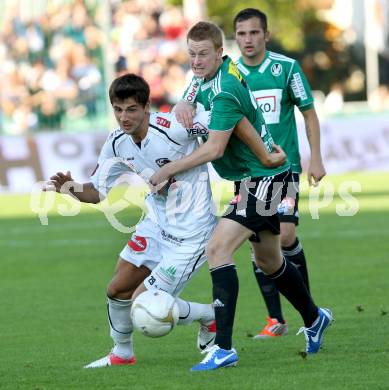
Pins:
<point x="229" y="99"/>
<point x="279" y="84"/>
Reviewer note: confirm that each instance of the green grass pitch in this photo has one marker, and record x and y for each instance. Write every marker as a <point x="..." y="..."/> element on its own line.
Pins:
<point x="53" y="316"/>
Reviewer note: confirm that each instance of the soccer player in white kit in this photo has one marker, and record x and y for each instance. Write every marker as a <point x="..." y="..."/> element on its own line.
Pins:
<point x="168" y="246"/>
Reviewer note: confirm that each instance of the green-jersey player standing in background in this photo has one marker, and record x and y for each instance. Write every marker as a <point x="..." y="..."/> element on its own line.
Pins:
<point x="258" y="188"/>
<point x="279" y="84"/>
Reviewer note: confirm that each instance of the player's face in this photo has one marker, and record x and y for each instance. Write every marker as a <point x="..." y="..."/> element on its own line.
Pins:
<point x="204" y="58"/>
<point x="251" y="39"/>
<point x="132" y="117"/>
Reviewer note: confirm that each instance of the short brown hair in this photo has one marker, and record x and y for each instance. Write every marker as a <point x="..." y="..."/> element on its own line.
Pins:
<point x="206" y="31"/>
<point x="249" y="13"/>
<point x="129" y="86"/>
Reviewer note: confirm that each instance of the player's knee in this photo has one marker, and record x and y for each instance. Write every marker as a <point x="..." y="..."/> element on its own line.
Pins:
<point x="269" y="262"/>
<point x="260" y="263"/>
<point x="116" y="291"/>
<point x="112" y="291"/>
<point x="216" y="253"/>
<point x="288" y="236"/>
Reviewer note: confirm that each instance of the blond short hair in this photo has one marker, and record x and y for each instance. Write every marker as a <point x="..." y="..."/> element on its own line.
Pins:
<point x="206" y="31"/>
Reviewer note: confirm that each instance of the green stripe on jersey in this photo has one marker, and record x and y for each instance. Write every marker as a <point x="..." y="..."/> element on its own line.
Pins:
<point x="279" y="84"/>
<point x="229" y="99"/>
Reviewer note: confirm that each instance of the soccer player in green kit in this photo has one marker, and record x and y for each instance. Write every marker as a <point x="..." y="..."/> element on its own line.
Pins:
<point x="219" y="86"/>
<point x="279" y="84"/>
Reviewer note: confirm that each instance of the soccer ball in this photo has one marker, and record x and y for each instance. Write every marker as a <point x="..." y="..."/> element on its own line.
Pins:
<point x="154" y="313"/>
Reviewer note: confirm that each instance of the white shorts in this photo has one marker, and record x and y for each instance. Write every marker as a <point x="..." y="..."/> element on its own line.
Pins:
<point x="173" y="260"/>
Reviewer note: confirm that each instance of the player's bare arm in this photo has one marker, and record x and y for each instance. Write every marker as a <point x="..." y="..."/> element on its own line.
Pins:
<point x="63" y="183"/>
<point x="208" y="151"/>
<point x="245" y="131"/>
<point x="185" y="113"/>
<point x="316" y="170"/>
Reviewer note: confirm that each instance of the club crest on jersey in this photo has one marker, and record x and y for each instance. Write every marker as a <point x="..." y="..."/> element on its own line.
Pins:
<point x="162" y="161"/>
<point x="137" y="244"/>
<point x="276" y="69"/>
<point x="163" y="122"/>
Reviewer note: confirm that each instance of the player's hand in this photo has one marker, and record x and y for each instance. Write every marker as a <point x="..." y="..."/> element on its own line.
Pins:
<point x="57" y="181"/>
<point x="277" y="157"/>
<point x="185" y="113"/>
<point x="160" y="179"/>
<point x="316" y="172"/>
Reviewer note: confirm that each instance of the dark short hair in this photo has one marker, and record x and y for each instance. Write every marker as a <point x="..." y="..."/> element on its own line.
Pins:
<point x="249" y="13"/>
<point x="129" y="86"/>
<point x="206" y="31"/>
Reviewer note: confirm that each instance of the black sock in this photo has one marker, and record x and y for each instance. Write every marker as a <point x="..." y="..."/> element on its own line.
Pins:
<point x="295" y="254"/>
<point x="291" y="285"/>
<point x="225" y="294"/>
<point x="270" y="294"/>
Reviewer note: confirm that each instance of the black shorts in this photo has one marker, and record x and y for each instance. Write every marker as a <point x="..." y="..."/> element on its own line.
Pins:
<point x="256" y="201"/>
<point x="284" y="212"/>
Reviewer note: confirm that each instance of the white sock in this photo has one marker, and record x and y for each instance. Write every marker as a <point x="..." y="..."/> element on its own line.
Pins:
<point x="120" y="326"/>
<point x="193" y="311"/>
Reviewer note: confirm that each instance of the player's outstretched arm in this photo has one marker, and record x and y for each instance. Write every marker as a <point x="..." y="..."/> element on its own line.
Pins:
<point x="245" y="131"/>
<point x="208" y="151"/>
<point x="185" y="113"/>
<point x="316" y="170"/>
<point x="63" y="183"/>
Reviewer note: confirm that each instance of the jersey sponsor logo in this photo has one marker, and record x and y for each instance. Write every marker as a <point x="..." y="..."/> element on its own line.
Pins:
<point x="298" y="87"/>
<point x="137" y="244"/>
<point x="162" y="161"/>
<point x="198" y="130"/>
<point x="163" y="122"/>
<point x="169" y="237"/>
<point x="276" y="69"/>
<point x="233" y="69"/>
<point x="269" y="101"/>
<point x="193" y="89"/>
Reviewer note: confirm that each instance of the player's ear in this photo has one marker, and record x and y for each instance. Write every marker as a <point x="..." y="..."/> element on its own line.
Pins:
<point x="219" y="53"/>
<point x="147" y="106"/>
<point x="267" y="36"/>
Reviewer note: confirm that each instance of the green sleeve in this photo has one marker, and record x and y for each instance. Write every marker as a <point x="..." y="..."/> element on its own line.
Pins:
<point x="225" y="112"/>
<point x="299" y="88"/>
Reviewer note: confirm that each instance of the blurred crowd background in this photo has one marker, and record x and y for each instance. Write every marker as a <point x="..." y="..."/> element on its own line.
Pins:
<point x="57" y="57"/>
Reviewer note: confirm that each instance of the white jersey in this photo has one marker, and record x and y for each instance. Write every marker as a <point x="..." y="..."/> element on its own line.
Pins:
<point x="186" y="209"/>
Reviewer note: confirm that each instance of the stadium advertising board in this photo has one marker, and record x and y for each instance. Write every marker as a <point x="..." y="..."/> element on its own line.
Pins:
<point x="348" y="144"/>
